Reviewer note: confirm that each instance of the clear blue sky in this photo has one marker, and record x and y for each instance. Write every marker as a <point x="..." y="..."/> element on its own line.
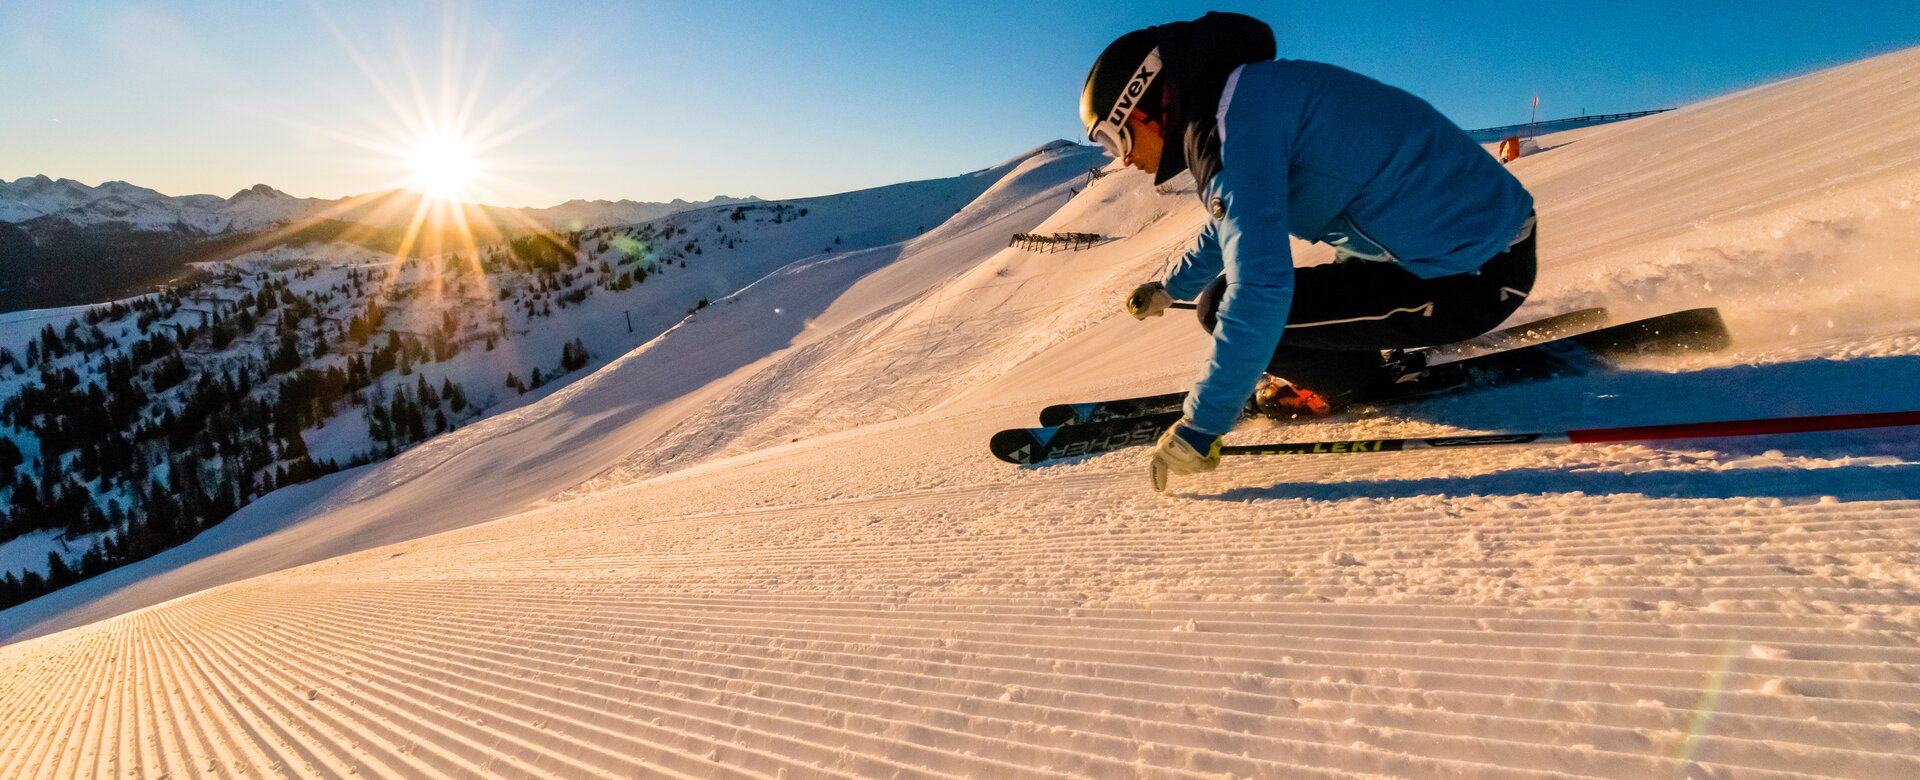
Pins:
<point x="657" y="100"/>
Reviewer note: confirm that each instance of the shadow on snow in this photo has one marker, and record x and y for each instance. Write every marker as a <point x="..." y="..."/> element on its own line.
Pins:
<point x="1629" y="398"/>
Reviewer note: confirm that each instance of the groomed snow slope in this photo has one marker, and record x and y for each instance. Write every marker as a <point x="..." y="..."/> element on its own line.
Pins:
<point x="827" y="576"/>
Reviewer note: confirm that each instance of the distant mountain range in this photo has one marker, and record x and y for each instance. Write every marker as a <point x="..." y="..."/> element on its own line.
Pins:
<point x="35" y="197"/>
<point x="63" y="242"/>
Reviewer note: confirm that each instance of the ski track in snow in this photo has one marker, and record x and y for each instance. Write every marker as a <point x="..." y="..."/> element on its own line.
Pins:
<point x="828" y="577"/>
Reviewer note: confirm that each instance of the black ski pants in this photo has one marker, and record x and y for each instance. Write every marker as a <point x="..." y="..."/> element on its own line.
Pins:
<point x="1344" y="313"/>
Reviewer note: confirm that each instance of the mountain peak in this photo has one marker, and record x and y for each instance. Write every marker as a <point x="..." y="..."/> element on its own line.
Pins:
<point x="258" y="191"/>
<point x="123" y="188"/>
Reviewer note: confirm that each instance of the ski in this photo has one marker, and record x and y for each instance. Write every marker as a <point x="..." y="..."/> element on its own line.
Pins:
<point x="1692" y="330"/>
<point x="1530" y="332"/>
<point x="1680" y="332"/>
<point x="1505" y="338"/>
<point x="1038" y="445"/>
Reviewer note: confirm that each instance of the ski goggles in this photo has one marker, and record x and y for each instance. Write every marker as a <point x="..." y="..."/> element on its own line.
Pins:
<point x="1111" y="131"/>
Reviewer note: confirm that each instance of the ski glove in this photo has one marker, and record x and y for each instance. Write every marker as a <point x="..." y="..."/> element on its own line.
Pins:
<point x="1148" y="300"/>
<point x="1184" y="450"/>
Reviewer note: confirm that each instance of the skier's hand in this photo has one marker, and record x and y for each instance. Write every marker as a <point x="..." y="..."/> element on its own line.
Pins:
<point x="1148" y="300"/>
<point x="1184" y="450"/>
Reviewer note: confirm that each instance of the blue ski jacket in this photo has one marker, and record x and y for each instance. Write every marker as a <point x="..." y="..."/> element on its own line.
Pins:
<point x="1316" y="151"/>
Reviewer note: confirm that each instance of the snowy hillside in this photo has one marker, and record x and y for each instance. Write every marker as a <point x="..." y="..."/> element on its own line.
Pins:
<point x="769" y="542"/>
<point x="578" y="214"/>
<point x="296" y="361"/>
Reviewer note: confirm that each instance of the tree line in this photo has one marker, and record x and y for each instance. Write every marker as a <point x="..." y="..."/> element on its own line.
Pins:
<point x="149" y="442"/>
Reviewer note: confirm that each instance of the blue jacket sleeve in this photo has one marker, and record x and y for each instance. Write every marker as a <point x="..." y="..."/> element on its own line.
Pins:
<point x="1253" y="240"/>
<point x="1197" y="268"/>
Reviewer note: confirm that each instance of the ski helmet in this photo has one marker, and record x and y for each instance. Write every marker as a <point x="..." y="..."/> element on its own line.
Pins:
<point x="1123" y="78"/>
<point x="1196" y="58"/>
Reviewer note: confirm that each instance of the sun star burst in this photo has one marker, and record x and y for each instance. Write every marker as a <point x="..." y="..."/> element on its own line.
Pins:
<point x="442" y="168"/>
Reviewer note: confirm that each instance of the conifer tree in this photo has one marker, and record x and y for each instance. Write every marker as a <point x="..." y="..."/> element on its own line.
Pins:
<point x="58" y="573"/>
<point x="10" y="459"/>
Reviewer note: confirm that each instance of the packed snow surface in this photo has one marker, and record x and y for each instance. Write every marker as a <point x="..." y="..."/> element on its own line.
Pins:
<point x="770" y="543"/>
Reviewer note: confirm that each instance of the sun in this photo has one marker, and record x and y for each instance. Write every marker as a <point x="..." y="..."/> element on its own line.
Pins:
<point x="442" y="168"/>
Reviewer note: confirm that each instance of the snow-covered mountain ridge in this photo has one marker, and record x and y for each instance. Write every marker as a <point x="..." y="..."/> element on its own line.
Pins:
<point x="260" y="206"/>
<point x="64" y="243"/>
<point x="769" y="542"/>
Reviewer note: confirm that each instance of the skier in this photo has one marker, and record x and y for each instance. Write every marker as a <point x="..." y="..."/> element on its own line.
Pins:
<point x="1433" y="238"/>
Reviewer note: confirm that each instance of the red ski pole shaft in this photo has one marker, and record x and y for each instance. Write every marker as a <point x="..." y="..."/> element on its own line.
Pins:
<point x="1703" y="430"/>
<point x="1761" y="427"/>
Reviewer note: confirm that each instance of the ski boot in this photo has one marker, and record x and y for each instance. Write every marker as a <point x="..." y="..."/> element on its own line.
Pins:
<point x="1282" y="400"/>
<point x="1409" y="373"/>
<point x="1402" y="367"/>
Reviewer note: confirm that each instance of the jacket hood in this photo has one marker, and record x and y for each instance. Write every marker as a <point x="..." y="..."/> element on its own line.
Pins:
<point x="1196" y="58"/>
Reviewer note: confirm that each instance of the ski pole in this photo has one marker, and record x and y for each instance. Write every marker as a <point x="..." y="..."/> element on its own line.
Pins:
<point x="1699" y="430"/>
<point x="1183" y="305"/>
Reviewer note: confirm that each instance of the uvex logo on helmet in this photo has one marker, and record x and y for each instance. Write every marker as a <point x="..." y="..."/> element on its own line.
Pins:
<point x="1136" y="86"/>
<point x="1110" y="129"/>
